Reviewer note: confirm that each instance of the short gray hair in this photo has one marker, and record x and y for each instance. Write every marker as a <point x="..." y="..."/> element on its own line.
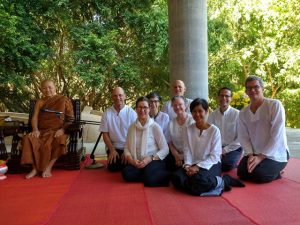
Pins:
<point x="252" y="78"/>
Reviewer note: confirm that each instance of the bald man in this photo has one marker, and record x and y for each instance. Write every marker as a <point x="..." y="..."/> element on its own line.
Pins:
<point x="114" y="126"/>
<point x="178" y="88"/>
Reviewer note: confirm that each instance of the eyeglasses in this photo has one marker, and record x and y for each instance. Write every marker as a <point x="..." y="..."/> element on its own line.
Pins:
<point x="255" y="88"/>
<point x="154" y="101"/>
<point x="226" y="96"/>
<point x="142" y="108"/>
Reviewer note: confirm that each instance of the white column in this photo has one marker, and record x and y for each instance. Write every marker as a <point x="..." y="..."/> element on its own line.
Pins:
<point x="188" y="45"/>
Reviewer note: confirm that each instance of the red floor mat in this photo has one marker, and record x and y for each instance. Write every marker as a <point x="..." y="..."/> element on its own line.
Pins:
<point x="32" y="201"/>
<point x="292" y="170"/>
<point x="100" y="197"/>
<point x="273" y="203"/>
<point x="171" y="207"/>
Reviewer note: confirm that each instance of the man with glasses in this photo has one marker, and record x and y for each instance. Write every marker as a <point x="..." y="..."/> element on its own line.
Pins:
<point x="114" y="126"/>
<point x="225" y="118"/>
<point x="262" y="134"/>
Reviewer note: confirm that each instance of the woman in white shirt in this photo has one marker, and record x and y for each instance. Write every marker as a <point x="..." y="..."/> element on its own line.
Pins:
<point x="202" y="148"/>
<point x="183" y="119"/>
<point x="261" y="132"/>
<point x="159" y="117"/>
<point x="145" y="149"/>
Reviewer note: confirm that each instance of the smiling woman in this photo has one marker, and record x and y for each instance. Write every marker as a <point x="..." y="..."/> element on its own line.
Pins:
<point x="159" y="117"/>
<point x="200" y="174"/>
<point x="145" y="149"/>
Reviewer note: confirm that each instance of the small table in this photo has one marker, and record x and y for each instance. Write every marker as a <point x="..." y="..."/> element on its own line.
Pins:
<point x="10" y="128"/>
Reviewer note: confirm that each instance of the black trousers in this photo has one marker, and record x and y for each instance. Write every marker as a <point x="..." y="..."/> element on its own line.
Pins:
<point x="204" y="181"/>
<point x="267" y="171"/>
<point x="154" y="174"/>
<point x="171" y="163"/>
<point x="231" y="159"/>
<point x="118" y="165"/>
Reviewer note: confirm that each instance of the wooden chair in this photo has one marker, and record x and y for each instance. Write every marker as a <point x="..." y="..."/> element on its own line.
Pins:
<point x="72" y="159"/>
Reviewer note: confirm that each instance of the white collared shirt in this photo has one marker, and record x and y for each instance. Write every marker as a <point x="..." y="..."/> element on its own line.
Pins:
<point x="227" y="123"/>
<point x="167" y="108"/>
<point x="264" y="131"/>
<point x="117" y="124"/>
<point x="204" y="150"/>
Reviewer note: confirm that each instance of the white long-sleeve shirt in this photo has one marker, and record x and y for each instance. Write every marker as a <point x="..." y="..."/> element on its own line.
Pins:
<point x="167" y="108"/>
<point x="204" y="150"/>
<point x="156" y="143"/>
<point x="264" y="131"/>
<point x="227" y="123"/>
<point x="176" y="132"/>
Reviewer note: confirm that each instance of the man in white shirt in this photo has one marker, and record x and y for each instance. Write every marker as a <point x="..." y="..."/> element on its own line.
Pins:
<point x="225" y="118"/>
<point x="114" y="126"/>
<point x="262" y="134"/>
<point x="178" y="90"/>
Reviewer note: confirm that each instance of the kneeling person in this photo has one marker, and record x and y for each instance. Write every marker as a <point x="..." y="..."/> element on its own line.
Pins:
<point x="226" y="119"/>
<point x="114" y="126"/>
<point x="261" y="131"/>
<point x="145" y="149"/>
<point x="201" y="172"/>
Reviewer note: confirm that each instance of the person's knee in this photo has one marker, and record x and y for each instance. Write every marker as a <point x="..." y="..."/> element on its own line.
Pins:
<point x="115" y="167"/>
<point x="242" y="172"/>
<point x="227" y="167"/>
<point x="263" y="177"/>
<point x="177" y="178"/>
<point x="127" y="175"/>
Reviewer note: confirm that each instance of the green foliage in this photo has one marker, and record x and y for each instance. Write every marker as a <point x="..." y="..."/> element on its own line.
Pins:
<point x="254" y="38"/>
<point x="89" y="47"/>
<point x="291" y="101"/>
<point x="240" y="99"/>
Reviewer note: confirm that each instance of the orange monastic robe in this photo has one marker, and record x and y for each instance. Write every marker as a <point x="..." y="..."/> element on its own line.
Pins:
<point x="39" y="151"/>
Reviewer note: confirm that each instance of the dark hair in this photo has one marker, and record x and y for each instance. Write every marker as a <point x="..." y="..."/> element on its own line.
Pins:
<point x="154" y="94"/>
<point x="199" y="101"/>
<point x="142" y="99"/>
<point x="225" y="88"/>
<point x="252" y="78"/>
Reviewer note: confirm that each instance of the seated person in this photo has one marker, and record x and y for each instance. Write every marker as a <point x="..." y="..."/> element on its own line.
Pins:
<point x="225" y="118"/>
<point x="201" y="172"/>
<point x="159" y="117"/>
<point x="145" y="149"/>
<point x="47" y="141"/>
<point x="261" y="132"/>
<point x="176" y="127"/>
<point x="114" y="126"/>
<point x="178" y="88"/>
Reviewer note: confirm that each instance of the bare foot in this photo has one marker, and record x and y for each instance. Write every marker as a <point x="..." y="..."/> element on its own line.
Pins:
<point x="31" y="174"/>
<point x="46" y="173"/>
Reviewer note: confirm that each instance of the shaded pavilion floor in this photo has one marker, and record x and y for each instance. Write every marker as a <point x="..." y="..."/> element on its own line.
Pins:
<point x="100" y="197"/>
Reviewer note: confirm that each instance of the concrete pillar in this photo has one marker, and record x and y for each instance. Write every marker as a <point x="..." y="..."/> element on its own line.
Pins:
<point x="188" y="45"/>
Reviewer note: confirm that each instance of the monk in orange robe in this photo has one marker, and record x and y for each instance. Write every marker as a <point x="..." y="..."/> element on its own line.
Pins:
<point x="47" y="141"/>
